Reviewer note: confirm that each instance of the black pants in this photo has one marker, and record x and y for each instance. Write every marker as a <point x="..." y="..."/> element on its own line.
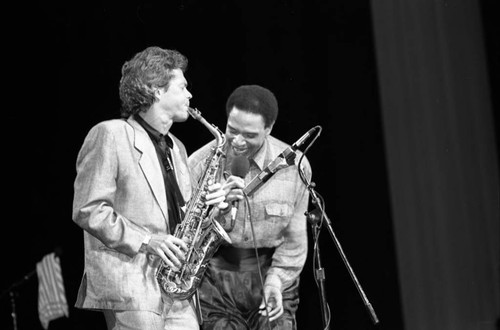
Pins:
<point x="231" y="292"/>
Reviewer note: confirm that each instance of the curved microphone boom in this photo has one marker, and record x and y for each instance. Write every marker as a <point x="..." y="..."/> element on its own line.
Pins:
<point x="239" y="168"/>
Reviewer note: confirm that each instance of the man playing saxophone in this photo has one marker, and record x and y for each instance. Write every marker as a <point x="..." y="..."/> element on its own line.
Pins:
<point x="131" y="186"/>
<point x="269" y="237"/>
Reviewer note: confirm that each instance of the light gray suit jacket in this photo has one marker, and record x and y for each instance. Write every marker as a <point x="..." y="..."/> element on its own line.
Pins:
<point x="119" y="199"/>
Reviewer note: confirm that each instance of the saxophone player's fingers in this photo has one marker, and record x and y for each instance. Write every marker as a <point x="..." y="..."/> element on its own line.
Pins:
<point x="167" y="248"/>
<point x="177" y="242"/>
<point x="178" y="253"/>
<point x="169" y="255"/>
<point x="165" y="241"/>
<point x="164" y="257"/>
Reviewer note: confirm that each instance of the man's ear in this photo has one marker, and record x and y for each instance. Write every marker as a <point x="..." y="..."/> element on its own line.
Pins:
<point x="269" y="129"/>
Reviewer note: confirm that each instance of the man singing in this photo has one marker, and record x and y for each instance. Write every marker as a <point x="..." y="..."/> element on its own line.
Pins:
<point x="269" y="237"/>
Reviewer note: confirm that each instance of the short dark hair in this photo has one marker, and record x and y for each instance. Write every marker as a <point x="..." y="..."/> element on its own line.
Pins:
<point x="147" y="70"/>
<point x="255" y="99"/>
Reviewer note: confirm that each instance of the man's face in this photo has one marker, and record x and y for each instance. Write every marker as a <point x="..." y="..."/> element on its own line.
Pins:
<point x="245" y="133"/>
<point x="175" y="100"/>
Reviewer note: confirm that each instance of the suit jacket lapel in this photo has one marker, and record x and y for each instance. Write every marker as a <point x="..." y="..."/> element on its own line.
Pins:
<point x="148" y="161"/>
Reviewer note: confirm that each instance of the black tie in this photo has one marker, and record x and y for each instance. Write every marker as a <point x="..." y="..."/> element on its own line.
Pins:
<point x="174" y="195"/>
<point x="165" y="154"/>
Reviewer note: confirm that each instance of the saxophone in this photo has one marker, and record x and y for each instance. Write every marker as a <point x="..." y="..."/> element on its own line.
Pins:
<point x="202" y="234"/>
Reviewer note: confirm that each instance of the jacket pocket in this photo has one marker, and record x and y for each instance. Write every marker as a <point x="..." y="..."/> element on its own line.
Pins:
<point x="278" y="217"/>
<point x="282" y="210"/>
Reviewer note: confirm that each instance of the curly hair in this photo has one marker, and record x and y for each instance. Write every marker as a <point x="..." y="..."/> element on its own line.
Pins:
<point x="254" y="99"/>
<point x="146" y="71"/>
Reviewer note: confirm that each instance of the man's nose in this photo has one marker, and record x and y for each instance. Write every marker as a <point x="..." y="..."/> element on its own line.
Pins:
<point x="238" y="140"/>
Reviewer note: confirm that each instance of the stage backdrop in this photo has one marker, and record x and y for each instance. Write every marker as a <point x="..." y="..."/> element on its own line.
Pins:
<point x="442" y="161"/>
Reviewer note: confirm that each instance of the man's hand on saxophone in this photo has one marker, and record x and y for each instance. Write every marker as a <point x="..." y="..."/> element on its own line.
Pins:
<point x="168" y="247"/>
<point x="172" y="249"/>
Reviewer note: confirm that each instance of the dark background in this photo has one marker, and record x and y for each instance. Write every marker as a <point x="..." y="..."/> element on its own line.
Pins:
<point x="317" y="57"/>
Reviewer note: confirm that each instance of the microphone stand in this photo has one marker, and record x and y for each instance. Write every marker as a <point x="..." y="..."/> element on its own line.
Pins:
<point x="285" y="159"/>
<point x="12" y="293"/>
<point x="320" y="272"/>
<point x="325" y="220"/>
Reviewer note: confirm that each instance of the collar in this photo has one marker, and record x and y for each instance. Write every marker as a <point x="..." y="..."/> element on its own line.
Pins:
<point x="153" y="133"/>
<point x="261" y="158"/>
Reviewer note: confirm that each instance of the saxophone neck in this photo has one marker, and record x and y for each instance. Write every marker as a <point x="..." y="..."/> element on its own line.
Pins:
<point x="216" y="132"/>
<point x="221" y="139"/>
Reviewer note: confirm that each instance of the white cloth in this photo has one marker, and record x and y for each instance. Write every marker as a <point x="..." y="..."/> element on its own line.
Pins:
<point x="52" y="302"/>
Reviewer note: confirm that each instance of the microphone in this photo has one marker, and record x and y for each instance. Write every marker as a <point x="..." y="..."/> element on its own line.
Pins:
<point x="300" y="142"/>
<point x="285" y="159"/>
<point x="239" y="168"/>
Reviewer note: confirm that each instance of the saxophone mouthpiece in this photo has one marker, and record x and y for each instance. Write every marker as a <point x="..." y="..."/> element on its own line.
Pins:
<point x="194" y="113"/>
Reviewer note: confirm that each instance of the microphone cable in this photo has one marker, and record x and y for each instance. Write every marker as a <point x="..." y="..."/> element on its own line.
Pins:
<point x="261" y="278"/>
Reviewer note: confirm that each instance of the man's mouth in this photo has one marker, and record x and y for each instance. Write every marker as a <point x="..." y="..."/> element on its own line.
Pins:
<point x="239" y="151"/>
